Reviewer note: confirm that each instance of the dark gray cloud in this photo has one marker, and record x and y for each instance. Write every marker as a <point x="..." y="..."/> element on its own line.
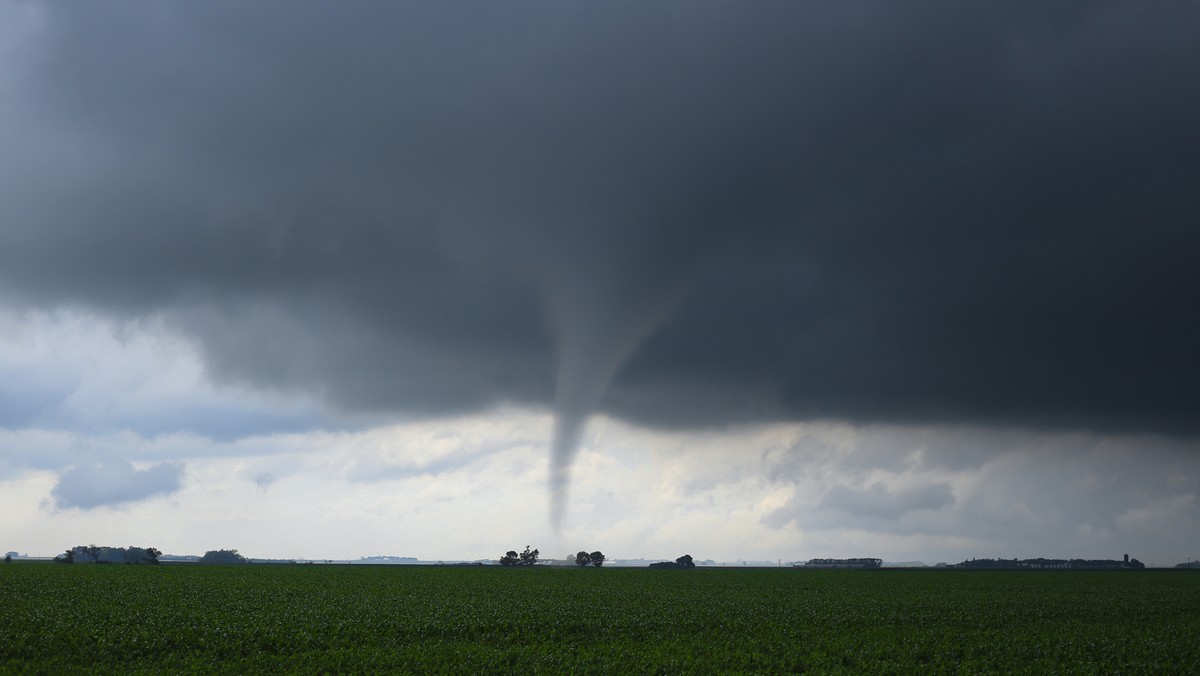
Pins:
<point x="877" y="501"/>
<point x="1006" y="492"/>
<point x="264" y="480"/>
<point x="685" y="214"/>
<point x="114" y="482"/>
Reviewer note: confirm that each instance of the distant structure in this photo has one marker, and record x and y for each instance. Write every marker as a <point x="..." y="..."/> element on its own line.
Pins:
<point x="841" y="563"/>
<point x="392" y="560"/>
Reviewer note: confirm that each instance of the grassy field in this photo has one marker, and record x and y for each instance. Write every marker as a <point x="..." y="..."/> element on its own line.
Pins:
<point x="360" y="618"/>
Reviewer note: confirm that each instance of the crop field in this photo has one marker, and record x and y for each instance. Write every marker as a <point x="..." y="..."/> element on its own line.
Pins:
<point x="609" y="620"/>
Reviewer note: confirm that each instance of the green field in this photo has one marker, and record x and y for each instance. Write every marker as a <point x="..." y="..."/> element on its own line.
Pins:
<point x="366" y="618"/>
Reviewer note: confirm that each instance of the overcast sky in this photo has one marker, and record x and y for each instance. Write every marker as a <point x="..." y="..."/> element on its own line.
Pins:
<point x="761" y="281"/>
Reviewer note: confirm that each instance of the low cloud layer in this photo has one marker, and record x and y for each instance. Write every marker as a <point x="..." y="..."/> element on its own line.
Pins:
<point x="772" y="492"/>
<point x="114" y="482"/>
<point x="994" y="493"/>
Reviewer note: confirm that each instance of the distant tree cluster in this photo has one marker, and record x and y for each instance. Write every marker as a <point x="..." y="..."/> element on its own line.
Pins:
<point x="1040" y="563"/>
<point x="97" y="554"/>
<point x="596" y="558"/>
<point x="684" y="562"/>
<point x="525" y="558"/>
<point x="861" y="562"/>
<point x="223" y="556"/>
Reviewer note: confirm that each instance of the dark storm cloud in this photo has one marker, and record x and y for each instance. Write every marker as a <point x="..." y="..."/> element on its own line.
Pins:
<point x="682" y="214"/>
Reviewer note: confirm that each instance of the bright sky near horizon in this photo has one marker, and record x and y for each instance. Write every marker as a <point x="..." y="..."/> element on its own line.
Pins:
<point x="772" y="282"/>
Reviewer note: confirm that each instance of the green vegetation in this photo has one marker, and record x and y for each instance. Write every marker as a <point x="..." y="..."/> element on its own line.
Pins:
<point x="368" y="618"/>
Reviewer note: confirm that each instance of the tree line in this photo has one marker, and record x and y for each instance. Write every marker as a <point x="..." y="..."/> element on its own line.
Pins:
<point x="97" y="554"/>
<point x="529" y="557"/>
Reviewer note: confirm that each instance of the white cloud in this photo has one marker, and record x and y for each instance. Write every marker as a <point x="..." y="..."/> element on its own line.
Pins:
<point x="73" y="371"/>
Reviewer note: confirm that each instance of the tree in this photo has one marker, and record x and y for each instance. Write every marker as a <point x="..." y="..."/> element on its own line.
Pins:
<point x="8" y="558"/>
<point x="528" y="558"/>
<point x="66" y="557"/>
<point x="141" y="555"/>
<point x="94" y="552"/>
<point x="525" y="558"/>
<point x="682" y="563"/>
<point x="223" y="556"/>
<point x="598" y="558"/>
<point x="583" y="559"/>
